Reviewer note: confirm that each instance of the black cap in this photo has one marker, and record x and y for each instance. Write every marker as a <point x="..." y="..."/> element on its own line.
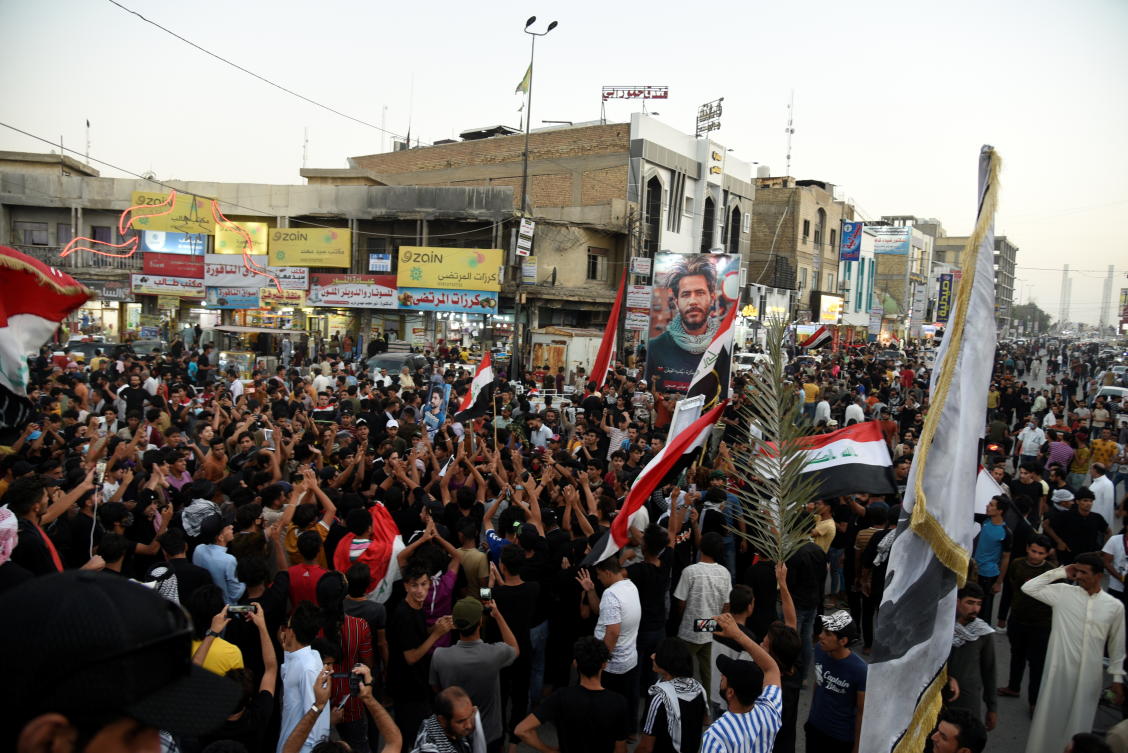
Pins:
<point x="92" y="645"/>
<point x="742" y="676"/>
<point x="210" y="527"/>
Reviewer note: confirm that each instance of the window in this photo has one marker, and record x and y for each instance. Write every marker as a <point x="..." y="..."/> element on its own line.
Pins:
<point x="597" y="264"/>
<point x="829" y="281"/>
<point x="688" y="206"/>
<point x="860" y="287"/>
<point x="30" y="233"/>
<point x="708" y="225"/>
<point x="103" y="233"/>
<point x="802" y="277"/>
<point x="63" y="233"/>
<point x="834" y="241"/>
<point x="747" y="222"/>
<point x="806" y="230"/>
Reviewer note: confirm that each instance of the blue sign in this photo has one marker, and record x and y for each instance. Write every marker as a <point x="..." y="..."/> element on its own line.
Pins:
<point x="944" y="299"/>
<point x="231" y="298"/>
<point x="850" y="246"/>
<point x="160" y="242"/>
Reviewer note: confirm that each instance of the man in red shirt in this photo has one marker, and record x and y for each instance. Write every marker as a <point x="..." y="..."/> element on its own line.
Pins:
<point x="908" y="376"/>
<point x="304" y="577"/>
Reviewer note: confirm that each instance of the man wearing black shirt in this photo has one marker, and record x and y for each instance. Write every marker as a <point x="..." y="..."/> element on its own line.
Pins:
<point x="652" y="579"/>
<point x="806" y="573"/>
<point x="1078" y="529"/>
<point x="134" y="395"/>
<point x="189" y="577"/>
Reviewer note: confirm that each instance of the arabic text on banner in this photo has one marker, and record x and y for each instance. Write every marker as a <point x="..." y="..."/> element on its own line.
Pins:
<point x="450" y="268"/>
<point x="190" y="214"/>
<point x="310" y="247"/>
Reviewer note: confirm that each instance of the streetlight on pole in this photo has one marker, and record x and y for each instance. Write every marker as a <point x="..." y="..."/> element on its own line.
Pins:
<point x="518" y="331"/>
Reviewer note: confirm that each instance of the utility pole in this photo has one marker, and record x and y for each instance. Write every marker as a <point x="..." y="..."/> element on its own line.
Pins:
<point x="1106" y="299"/>
<point x="1063" y="304"/>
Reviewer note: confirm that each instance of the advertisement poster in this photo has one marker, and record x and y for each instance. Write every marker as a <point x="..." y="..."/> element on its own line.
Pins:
<point x="473" y="269"/>
<point x="640" y="265"/>
<point x="110" y="290"/>
<point x="177" y="265"/>
<point x="891" y="240"/>
<point x="310" y="247"/>
<point x="224" y="271"/>
<point x="850" y="247"/>
<point x="160" y="242"/>
<point x="944" y="299"/>
<point x="184" y="287"/>
<point x="231" y="298"/>
<point x="529" y="270"/>
<point x="638" y="306"/>
<point x="272" y="296"/>
<point x="231" y="242"/>
<point x="459" y="301"/>
<point x="829" y="308"/>
<point x="877" y="313"/>
<point x="352" y="291"/>
<point x="190" y="215"/>
<point x="692" y="294"/>
<point x="435" y="411"/>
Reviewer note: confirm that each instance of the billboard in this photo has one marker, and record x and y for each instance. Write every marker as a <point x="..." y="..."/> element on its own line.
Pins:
<point x="850" y="245"/>
<point x="190" y="214"/>
<point x="826" y="307"/>
<point x="272" y="296"/>
<point x="226" y="271"/>
<point x="231" y="298"/>
<point x="891" y="240"/>
<point x="944" y="299"/>
<point x="110" y="290"/>
<point x="638" y="306"/>
<point x="472" y="269"/>
<point x="352" y="291"/>
<point x="185" y="287"/>
<point x="310" y="247"/>
<point x="161" y="242"/>
<point x="691" y="295"/>
<point x="177" y="265"/>
<point x="230" y="242"/>
<point x="460" y="301"/>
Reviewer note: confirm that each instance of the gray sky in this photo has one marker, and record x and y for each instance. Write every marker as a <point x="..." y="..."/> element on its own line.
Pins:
<point x="892" y="99"/>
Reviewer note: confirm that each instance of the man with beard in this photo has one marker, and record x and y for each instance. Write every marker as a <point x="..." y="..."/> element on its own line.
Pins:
<point x="673" y="355"/>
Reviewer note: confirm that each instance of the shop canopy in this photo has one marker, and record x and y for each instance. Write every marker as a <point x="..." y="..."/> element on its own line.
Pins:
<point x="236" y="329"/>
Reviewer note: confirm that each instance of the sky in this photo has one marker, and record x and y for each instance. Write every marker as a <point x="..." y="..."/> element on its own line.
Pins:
<point x="892" y="99"/>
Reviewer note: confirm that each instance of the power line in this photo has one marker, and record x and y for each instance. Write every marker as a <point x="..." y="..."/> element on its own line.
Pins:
<point x="265" y="80"/>
<point x="251" y="210"/>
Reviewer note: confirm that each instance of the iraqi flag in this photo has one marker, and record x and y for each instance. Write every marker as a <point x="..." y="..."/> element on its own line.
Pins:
<point x="34" y="299"/>
<point x="929" y="558"/>
<point x="380" y="554"/>
<point x="850" y="461"/>
<point x="607" y="347"/>
<point x="819" y="337"/>
<point x="682" y="451"/>
<point x="476" y="401"/>
<point x="712" y="376"/>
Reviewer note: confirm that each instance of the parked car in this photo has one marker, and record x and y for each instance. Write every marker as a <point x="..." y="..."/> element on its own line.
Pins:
<point x="394" y="362"/>
<point x="146" y="347"/>
<point x="1112" y="396"/>
<point x="80" y="351"/>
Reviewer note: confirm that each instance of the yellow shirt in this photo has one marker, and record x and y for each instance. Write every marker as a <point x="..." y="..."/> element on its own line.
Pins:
<point x="291" y="542"/>
<point x="1104" y="451"/>
<point x="824" y="533"/>
<point x="810" y="392"/>
<point x="222" y="656"/>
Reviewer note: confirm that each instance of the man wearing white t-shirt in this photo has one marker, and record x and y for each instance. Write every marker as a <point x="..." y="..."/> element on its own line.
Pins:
<point x="1115" y="557"/>
<point x="703" y="592"/>
<point x="1104" y="494"/>
<point x="1030" y="439"/>
<point x="620" y="612"/>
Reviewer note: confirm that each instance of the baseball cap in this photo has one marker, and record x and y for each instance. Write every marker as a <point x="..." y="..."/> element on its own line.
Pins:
<point x="744" y="677"/>
<point x="286" y="486"/>
<point x="391" y="422"/>
<point x="467" y="613"/>
<point x="210" y="527"/>
<point x="95" y="644"/>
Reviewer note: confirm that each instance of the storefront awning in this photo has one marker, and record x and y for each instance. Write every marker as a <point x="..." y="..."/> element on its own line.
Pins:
<point x="235" y="329"/>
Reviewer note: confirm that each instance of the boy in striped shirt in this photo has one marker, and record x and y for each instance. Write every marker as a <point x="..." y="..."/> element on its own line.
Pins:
<point x="752" y="691"/>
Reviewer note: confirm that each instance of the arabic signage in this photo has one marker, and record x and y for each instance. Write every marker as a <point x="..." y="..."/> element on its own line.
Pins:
<point x="110" y="290"/>
<point x="850" y="247"/>
<point x="472" y="269"/>
<point x="168" y="302"/>
<point x="231" y="242"/>
<point x="944" y="299"/>
<point x="829" y="307"/>
<point x="459" y="301"/>
<point x="640" y="265"/>
<point x="638" y="296"/>
<point x="352" y="291"/>
<point x="891" y="240"/>
<point x="877" y="313"/>
<point x="639" y="321"/>
<point x="184" y="287"/>
<point x="190" y="214"/>
<point x="310" y="247"/>
<point x="529" y="270"/>
<point x="160" y="242"/>
<point x="636" y="92"/>
<point x="231" y="298"/>
<point x="282" y="298"/>
<point x="525" y="237"/>
<point x="177" y="265"/>
<point x="1124" y="305"/>
<point x="379" y="262"/>
<point x="225" y="271"/>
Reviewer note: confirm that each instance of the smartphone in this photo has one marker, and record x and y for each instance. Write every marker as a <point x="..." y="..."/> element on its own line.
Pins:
<point x="485" y="594"/>
<point x="706" y="625"/>
<point x="99" y="473"/>
<point x="241" y="609"/>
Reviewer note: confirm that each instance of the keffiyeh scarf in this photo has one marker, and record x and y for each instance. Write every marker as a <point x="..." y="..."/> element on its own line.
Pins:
<point x="672" y="691"/>
<point x="971" y="632"/>
<point x="695" y="344"/>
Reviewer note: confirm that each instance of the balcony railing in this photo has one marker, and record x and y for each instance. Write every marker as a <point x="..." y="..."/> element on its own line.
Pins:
<point x="80" y="260"/>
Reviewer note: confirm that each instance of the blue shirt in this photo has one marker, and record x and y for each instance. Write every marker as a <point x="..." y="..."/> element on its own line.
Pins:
<point x="751" y="732"/>
<point x="221" y="566"/>
<point x="834" y="705"/>
<point x="993" y="541"/>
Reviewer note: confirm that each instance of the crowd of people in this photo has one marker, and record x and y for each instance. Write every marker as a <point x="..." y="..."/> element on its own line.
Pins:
<point x="262" y="508"/>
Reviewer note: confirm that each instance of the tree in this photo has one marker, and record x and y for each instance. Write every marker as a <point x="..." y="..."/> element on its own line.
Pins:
<point x="1036" y="319"/>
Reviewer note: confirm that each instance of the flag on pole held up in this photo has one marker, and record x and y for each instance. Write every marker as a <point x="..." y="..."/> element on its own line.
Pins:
<point x="712" y="376"/>
<point x="819" y="337"/>
<point x="930" y="554"/>
<point x="34" y="300"/>
<point x="607" y="347"/>
<point x="476" y="401"/>
<point x="682" y="450"/>
<point x="851" y="460"/>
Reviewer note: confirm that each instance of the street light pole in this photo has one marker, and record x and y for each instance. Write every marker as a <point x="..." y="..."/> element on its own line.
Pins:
<point x="518" y="330"/>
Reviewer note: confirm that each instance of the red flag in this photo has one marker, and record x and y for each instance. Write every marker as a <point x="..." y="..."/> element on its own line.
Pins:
<point x="607" y="347"/>
<point x="476" y="401"/>
<point x="712" y="376"/>
<point x="379" y="555"/>
<point x="683" y="448"/>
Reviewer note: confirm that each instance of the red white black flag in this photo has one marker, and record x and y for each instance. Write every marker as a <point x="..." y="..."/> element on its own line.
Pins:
<point x="850" y="461"/>
<point x="820" y="336"/>
<point x="476" y="401"/>
<point x="712" y="376"/>
<point x="682" y="450"/>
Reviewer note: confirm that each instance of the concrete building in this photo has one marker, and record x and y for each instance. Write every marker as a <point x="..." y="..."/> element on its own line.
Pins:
<point x="857" y="283"/>
<point x="45" y="201"/>
<point x="794" y="238"/>
<point x="948" y="249"/>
